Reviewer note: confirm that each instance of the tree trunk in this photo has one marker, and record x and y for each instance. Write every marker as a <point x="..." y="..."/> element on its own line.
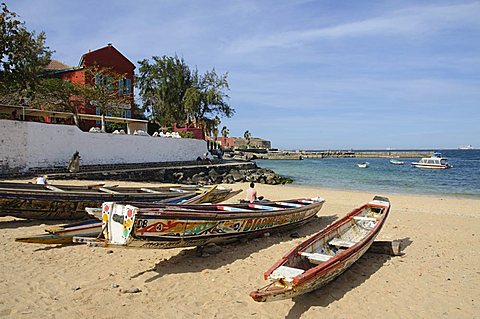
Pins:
<point x="75" y="120"/>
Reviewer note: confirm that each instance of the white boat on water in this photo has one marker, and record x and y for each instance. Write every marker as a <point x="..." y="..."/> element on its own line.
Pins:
<point x="466" y="147"/>
<point x="363" y="165"/>
<point x="435" y="161"/>
<point x="396" y="162"/>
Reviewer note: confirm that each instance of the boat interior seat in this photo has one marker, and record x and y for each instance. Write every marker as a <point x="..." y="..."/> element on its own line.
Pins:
<point x="364" y="218"/>
<point x="315" y="258"/>
<point x="286" y="273"/>
<point x="341" y="243"/>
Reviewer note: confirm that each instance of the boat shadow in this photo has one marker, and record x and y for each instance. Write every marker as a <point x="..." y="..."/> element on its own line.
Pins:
<point x="195" y="260"/>
<point x="356" y="275"/>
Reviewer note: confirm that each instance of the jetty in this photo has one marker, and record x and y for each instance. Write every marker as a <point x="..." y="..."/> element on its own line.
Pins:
<point x="252" y="154"/>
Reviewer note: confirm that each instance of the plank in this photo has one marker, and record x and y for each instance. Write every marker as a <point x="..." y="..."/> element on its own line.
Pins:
<point x="341" y="243"/>
<point x="316" y="258"/>
<point x="288" y="204"/>
<point x="53" y="188"/>
<point x="364" y="218"/>
<point x="287" y="273"/>
<point x="234" y="209"/>
<point x="106" y="190"/>
<point x="148" y="190"/>
<point x="392" y="248"/>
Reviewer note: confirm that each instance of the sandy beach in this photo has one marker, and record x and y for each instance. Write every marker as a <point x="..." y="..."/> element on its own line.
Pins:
<point x="437" y="277"/>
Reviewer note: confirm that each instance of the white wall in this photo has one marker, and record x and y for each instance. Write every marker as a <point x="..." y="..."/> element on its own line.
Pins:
<point x="25" y="145"/>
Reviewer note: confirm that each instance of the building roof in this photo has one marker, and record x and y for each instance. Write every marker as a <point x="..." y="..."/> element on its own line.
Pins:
<point x="57" y="65"/>
<point x="107" y="47"/>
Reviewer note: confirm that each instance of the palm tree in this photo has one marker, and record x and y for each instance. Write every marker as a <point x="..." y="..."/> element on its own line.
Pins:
<point x="247" y="135"/>
<point x="216" y="121"/>
<point x="225" y="132"/>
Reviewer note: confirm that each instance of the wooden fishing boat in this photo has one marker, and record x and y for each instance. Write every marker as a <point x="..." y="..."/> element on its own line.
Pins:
<point x="197" y="225"/>
<point x="93" y="228"/>
<point x="33" y="201"/>
<point x="324" y="256"/>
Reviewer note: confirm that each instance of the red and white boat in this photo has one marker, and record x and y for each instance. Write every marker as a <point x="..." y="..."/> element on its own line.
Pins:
<point x="435" y="161"/>
<point x="324" y="256"/>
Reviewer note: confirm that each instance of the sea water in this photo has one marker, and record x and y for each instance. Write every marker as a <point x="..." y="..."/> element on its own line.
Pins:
<point x="462" y="180"/>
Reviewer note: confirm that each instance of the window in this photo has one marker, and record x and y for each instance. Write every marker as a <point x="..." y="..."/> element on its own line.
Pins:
<point x="124" y="86"/>
<point x="128" y="114"/>
<point x="105" y="81"/>
<point x="98" y="112"/>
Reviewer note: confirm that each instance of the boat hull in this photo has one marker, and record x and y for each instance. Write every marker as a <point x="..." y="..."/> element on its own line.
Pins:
<point x="186" y="227"/>
<point x="314" y="283"/>
<point x="33" y="202"/>
<point x="93" y="228"/>
<point x="430" y="166"/>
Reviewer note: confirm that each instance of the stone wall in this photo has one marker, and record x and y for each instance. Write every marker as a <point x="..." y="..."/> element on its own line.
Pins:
<point x="25" y="145"/>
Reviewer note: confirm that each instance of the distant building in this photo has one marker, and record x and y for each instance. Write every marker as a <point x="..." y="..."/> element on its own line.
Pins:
<point x="240" y="142"/>
<point x="106" y="57"/>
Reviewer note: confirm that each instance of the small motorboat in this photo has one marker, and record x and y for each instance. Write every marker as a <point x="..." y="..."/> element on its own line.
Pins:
<point x="396" y="162"/>
<point x="435" y="161"/>
<point x="363" y="165"/>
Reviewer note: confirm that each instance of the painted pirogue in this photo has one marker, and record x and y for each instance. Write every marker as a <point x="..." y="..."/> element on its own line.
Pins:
<point x="172" y="226"/>
<point x="324" y="256"/>
<point x="93" y="228"/>
<point x="33" y="201"/>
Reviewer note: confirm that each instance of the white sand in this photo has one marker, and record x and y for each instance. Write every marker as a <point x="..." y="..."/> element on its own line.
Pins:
<point x="438" y="277"/>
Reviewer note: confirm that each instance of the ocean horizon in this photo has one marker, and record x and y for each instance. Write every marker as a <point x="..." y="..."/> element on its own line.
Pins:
<point x="462" y="180"/>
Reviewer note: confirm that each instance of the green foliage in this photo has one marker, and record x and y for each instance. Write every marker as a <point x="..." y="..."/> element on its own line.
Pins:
<point x="247" y="135"/>
<point x="173" y="93"/>
<point x="101" y="90"/>
<point x="225" y="131"/>
<point x="186" y="134"/>
<point x="163" y="84"/>
<point x="23" y="56"/>
<point x="58" y="95"/>
<point x="110" y="127"/>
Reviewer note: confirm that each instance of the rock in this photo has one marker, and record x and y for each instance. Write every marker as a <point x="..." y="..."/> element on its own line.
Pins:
<point x="76" y="288"/>
<point x="294" y="235"/>
<point x="237" y="177"/>
<point x="109" y="251"/>
<point x="130" y="291"/>
<point x="115" y="286"/>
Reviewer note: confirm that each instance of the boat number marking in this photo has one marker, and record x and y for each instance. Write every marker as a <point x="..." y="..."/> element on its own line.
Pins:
<point x="142" y="223"/>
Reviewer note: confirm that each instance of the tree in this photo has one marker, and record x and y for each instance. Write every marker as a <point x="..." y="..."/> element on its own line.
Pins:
<point x="211" y="92"/>
<point x="162" y="86"/>
<point x="103" y="90"/>
<point x="225" y="132"/>
<point x="247" y="135"/>
<point x="59" y="95"/>
<point x="216" y="122"/>
<point x="23" y="57"/>
<point x="175" y="94"/>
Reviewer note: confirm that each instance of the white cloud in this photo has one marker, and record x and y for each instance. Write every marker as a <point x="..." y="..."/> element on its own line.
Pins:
<point x="406" y="22"/>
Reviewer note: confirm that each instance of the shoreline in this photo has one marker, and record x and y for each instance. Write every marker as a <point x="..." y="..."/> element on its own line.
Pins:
<point x="472" y="197"/>
<point x="436" y="277"/>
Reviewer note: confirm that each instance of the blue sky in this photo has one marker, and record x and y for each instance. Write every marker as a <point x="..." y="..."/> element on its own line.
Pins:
<point x="303" y="74"/>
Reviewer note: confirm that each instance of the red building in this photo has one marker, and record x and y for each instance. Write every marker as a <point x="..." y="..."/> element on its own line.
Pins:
<point x="106" y="57"/>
